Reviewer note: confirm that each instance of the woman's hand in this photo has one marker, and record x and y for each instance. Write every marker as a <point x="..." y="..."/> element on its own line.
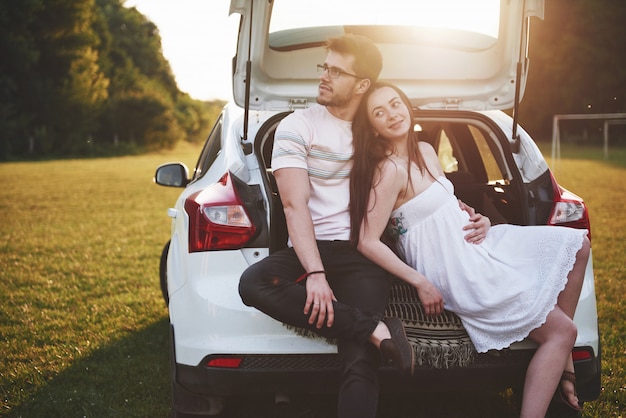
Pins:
<point x="430" y="297"/>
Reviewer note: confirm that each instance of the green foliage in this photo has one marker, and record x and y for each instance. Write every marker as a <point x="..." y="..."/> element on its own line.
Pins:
<point x="88" y="77"/>
<point x="577" y="63"/>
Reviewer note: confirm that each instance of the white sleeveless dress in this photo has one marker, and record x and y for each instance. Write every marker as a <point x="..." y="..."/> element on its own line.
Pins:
<point x="502" y="288"/>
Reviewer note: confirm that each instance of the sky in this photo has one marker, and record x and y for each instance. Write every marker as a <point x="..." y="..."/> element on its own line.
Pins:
<point x="198" y="38"/>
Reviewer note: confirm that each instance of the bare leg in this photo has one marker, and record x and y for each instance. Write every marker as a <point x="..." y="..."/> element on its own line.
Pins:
<point x="568" y="300"/>
<point x="555" y="338"/>
<point x="381" y="332"/>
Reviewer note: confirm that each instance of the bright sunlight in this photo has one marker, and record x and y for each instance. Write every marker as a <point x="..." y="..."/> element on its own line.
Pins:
<point x="480" y="16"/>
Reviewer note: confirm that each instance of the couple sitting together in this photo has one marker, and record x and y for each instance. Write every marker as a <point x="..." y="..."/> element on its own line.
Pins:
<point x="350" y="170"/>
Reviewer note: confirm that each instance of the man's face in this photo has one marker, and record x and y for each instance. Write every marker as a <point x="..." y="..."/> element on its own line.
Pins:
<point x="337" y="92"/>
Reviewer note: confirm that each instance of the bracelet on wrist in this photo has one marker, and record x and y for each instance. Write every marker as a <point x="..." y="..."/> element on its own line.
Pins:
<point x="305" y="275"/>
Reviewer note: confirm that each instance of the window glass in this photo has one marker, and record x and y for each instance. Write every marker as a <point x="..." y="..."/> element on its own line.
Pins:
<point x="448" y="161"/>
<point x="481" y="16"/>
<point x="494" y="174"/>
<point x="210" y="151"/>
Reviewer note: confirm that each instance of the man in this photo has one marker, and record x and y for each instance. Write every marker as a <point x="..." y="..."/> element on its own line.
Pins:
<point x="322" y="283"/>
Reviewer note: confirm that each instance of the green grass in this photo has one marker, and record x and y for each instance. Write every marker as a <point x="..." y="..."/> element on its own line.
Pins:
<point x="83" y="329"/>
<point x="601" y="184"/>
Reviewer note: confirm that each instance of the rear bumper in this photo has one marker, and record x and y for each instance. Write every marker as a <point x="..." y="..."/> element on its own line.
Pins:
<point x="319" y="374"/>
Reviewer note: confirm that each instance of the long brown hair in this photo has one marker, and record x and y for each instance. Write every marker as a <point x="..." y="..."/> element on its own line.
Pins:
<point x="369" y="151"/>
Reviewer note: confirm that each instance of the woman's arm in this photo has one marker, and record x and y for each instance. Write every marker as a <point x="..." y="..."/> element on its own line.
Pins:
<point x="383" y="196"/>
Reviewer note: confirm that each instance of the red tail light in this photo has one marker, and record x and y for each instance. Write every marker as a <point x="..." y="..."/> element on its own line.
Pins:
<point x="225" y="362"/>
<point x="579" y="354"/>
<point x="569" y="209"/>
<point x="218" y="219"/>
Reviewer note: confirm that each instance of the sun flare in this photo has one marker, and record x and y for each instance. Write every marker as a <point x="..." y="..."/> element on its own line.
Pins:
<point x="480" y="16"/>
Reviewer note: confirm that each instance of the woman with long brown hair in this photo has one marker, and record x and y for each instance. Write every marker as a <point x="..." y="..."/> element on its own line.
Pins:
<point x="505" y="282"/>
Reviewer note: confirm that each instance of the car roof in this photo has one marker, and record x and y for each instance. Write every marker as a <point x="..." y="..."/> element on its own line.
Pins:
<point x="443" y="54"/>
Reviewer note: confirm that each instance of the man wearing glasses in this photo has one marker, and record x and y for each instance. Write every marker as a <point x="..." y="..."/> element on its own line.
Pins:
<point x="320" y="282"/>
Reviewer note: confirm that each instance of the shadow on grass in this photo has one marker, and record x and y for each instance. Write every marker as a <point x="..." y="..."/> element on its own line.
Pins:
<point x="128" y="378"/>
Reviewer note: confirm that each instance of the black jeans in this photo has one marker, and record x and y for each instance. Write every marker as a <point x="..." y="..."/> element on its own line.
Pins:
<point x="362" y="292"/>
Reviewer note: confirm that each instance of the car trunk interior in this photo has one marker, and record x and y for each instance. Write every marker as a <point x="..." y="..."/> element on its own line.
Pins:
<point x="474" y="164"/>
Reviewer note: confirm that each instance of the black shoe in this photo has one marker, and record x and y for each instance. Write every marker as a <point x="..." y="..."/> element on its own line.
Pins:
<point x="397" y="349"/>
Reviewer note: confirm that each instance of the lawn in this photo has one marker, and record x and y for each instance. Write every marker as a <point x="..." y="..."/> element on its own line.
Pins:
<point x="83" y="328"/>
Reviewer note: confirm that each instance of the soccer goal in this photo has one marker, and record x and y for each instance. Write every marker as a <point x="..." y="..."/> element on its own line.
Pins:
<point x="609" y="119"/>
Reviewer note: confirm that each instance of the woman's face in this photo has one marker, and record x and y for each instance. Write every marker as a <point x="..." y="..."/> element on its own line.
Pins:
<point x="388" y="114"/>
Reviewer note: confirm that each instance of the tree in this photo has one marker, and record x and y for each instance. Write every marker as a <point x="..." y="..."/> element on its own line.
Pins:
<point x="88" y="76"/>
<point x="577" y="62"/>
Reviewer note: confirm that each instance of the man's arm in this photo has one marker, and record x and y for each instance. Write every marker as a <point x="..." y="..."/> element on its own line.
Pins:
<point x="294" y="189"/>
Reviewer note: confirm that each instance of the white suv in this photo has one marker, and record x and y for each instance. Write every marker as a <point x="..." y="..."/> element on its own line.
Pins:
<point x="229" y="214"/>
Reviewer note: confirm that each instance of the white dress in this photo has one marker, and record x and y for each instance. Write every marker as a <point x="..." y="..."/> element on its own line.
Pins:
<point x="502" y="288"/>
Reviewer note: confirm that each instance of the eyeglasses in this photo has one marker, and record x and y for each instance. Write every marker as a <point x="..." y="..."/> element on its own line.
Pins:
<point x="334" y="72"/>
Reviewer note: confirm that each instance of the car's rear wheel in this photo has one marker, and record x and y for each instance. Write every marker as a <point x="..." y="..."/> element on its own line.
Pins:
<point x="184" y="400"/>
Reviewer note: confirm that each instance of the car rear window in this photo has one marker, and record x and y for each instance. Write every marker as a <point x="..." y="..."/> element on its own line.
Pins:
<point x="330" y="17"/>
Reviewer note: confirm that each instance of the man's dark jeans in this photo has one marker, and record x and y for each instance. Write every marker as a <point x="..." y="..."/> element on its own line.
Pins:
<point x="362" y="292"/>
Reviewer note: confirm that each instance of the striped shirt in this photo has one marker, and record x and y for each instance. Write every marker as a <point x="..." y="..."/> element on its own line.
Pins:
<point x="315" y="140"/>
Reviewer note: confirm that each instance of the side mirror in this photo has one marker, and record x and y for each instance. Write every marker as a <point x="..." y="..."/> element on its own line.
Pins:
<point x="172" y="175"/>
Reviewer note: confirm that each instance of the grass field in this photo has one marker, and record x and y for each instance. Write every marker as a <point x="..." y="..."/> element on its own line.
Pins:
<point x="83" y="328"/>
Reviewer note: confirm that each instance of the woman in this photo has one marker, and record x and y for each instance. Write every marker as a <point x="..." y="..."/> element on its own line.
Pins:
<point x="506" y="282"/>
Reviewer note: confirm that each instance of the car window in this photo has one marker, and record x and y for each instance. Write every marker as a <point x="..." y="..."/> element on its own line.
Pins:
<point x="492" y="169"/>
<point x="448" y="161"/>
<point x="480" y="16"/>
<point x="465" y="147"/>
<point x="210" y="151"/>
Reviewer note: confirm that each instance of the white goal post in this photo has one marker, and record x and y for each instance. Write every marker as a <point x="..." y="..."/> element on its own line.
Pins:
<point x="609" y="119"/>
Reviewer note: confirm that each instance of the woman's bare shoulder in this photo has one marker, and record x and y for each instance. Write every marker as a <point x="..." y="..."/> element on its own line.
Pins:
<point x="426" y="148"/>
<point x="393" y="168"/>
<point x="431" y="158"/>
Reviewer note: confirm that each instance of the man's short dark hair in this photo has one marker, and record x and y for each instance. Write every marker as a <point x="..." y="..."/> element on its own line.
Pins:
<point x="368" y="61"/>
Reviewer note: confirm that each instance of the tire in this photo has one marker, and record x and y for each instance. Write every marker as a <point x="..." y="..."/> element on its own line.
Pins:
<point x="186" y="404"/>
<point x="163" y="273"/>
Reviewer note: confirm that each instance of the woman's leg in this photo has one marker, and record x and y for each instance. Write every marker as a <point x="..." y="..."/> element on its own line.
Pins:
<point x="567" y="301"/>
<point x="555" y="338"/>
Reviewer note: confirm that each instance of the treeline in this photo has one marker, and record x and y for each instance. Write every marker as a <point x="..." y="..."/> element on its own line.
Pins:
<point x="88" y="77"/>
<point x="577" y="65"/>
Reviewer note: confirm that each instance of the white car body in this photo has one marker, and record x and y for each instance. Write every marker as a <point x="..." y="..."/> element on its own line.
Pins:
<point x="463" y="77"/>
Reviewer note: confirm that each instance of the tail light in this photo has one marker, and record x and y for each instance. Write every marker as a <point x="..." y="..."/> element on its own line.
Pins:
<point x="568" y="210"/>
<point x="218" y="219"/>
<point x="580" y="354"/>
<point x="226" y="362"/>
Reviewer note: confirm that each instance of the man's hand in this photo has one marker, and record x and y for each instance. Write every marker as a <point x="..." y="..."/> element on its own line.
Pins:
<point x="319" y="301"/>
<point x="479" y="225"/>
